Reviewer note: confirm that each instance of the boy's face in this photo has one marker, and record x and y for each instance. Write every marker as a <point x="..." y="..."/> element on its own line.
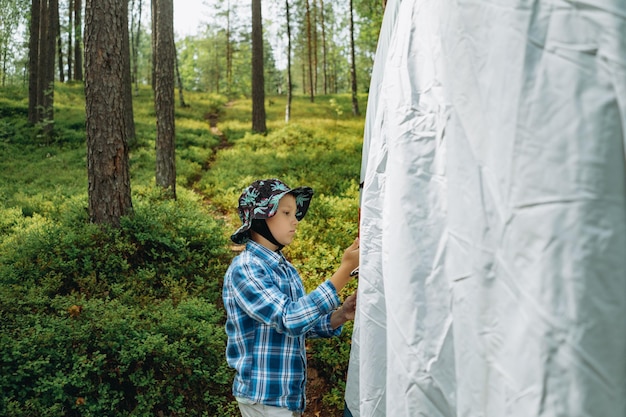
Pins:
<point x="283" y="224"/>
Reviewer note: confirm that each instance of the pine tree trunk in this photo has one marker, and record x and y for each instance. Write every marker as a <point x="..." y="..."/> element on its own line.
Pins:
<point x="309" y="50"/>
<point x="258" y="79"/>
<point x="107" y="145"/>
<point x="78" y="40"/>
<point x="128" y="84"/>
<point x="355" y="101"/>
<point x="70" y="32"/>
<point x="164" y="96"/>
<point x="33" y="63"/>
<point x="289" y="83"/>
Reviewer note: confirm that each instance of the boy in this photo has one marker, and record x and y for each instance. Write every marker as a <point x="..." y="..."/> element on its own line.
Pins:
<point x="268" y="313"/>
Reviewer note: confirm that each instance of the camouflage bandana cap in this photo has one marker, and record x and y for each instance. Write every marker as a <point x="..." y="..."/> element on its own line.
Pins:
<point x="260" y="201"/>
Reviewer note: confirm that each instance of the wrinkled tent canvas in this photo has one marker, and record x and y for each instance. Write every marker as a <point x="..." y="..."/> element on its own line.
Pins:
<point x="493" y="213"/>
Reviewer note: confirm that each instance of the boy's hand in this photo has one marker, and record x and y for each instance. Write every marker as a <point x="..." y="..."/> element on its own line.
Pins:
<point x="344" y="313"/>
<point x="349" y="307"/>
<point x="351" y="255"/>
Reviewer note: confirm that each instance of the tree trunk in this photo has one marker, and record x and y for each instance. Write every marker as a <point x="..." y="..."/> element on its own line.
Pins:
<point x="324" y="50"/>
<point x="70" y="33"/>
<point x="78" y="40"/>
<point x="46" y="71"/>
<point x="59" y="42"/>
<point x="315" y="46"/>
<point x="229" y="52"/>
<point x="128" y="85"/>
<point x="107" y="145"/>
<point x="153" y="11"/>
<point x="355" y="101"/>
<point x="289" y="83"/>
<point x="179" y="80"/>
<point x="165" y="57"/>
<point x="135" y="35"/>
<point x="309" y="50"/>
<point x="33" y="62"/>
<point x="258" y="79"/>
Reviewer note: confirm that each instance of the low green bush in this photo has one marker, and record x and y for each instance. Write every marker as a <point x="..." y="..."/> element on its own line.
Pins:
<point x="96" y="321"/>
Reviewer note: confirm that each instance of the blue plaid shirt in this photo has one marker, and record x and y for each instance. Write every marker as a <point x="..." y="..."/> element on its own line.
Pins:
<point x="269" y="317"/>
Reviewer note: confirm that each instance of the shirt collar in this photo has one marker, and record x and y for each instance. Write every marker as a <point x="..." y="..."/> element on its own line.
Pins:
<point x="269" y="256"/>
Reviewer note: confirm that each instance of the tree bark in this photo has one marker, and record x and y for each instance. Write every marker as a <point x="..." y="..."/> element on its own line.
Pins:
<point x="78" y="40"/>
<point x="289" y="83"/>
<point x="33" y="62"/>
<point x="47" y="52"/>
<point x="355" y="101"/>
<point x="164" y="96"/>
<point x="59" y="42"/>
<point x="107" y="145"/>
<point x="309" y="50"/>
<point x="258" y="79"/>
<point x="128" y="84"/>
<point x="324" y="48"/>
<point x="70" y="34"/>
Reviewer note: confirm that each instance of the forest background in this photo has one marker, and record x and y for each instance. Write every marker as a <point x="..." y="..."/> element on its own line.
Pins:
<point x="122" y="315"/>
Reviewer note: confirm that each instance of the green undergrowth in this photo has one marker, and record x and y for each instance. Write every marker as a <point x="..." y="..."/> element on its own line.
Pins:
<point x="96" y="321"/>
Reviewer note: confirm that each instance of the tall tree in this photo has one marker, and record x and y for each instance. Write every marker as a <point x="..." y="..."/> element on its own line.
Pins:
<point x="258" y="79"/>
<point x="33" y="62"/>
<point x="289" y="82"/>
<point x="165" y="58"/>
<point x="355" y="101"/>
<point x="309" y="41"/>
<point x="107" y="144"/>
<point x="324" y="46"/>
<point x="78" y="40"/>
<point x="135" y="32"/>
<point x="59" y="41"/>
<point x="42" y="42"/>
<point x="128" y="88"/>
<point x="70" y="33"/>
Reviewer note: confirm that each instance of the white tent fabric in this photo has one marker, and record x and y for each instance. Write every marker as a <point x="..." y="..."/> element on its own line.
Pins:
<point x="493" y="213"/>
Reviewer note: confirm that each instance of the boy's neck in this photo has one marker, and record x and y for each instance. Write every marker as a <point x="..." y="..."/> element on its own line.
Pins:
<point x="263" y="241"/>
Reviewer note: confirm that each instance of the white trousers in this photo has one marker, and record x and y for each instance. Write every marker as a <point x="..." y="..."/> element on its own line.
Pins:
<point x="260" y="410"/>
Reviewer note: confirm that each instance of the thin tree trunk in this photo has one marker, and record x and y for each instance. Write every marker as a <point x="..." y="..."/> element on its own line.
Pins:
<point x="229" y="52"/>
<point x="164" y="96"/>
<point x="181" y="97"/>
<point x="70" y="34"/>
<point x="153" y="11"/>
<point x="309" y="50"/>
<point x="135" y="47"/>
<point x="78" y="41"/>
<point x="128" y="87"/>
<point x="33" y="62"/>
<point x="315" y="46"/>
<point x="59" y="42"/>
<point x="258" y="78"/>
<point x="107" y="145"/>
<point x="324" y="55"/>
<point x="355" y="101"/>
<point x="48" y="54"/>
<point x="289" y="83"/>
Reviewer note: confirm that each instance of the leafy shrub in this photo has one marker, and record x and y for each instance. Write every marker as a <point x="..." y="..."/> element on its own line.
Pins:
<point x="97" y="321"/>
<point x="73" y="356"/>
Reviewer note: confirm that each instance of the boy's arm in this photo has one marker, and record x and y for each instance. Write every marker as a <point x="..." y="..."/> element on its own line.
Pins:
<point x="349" y="261"/>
